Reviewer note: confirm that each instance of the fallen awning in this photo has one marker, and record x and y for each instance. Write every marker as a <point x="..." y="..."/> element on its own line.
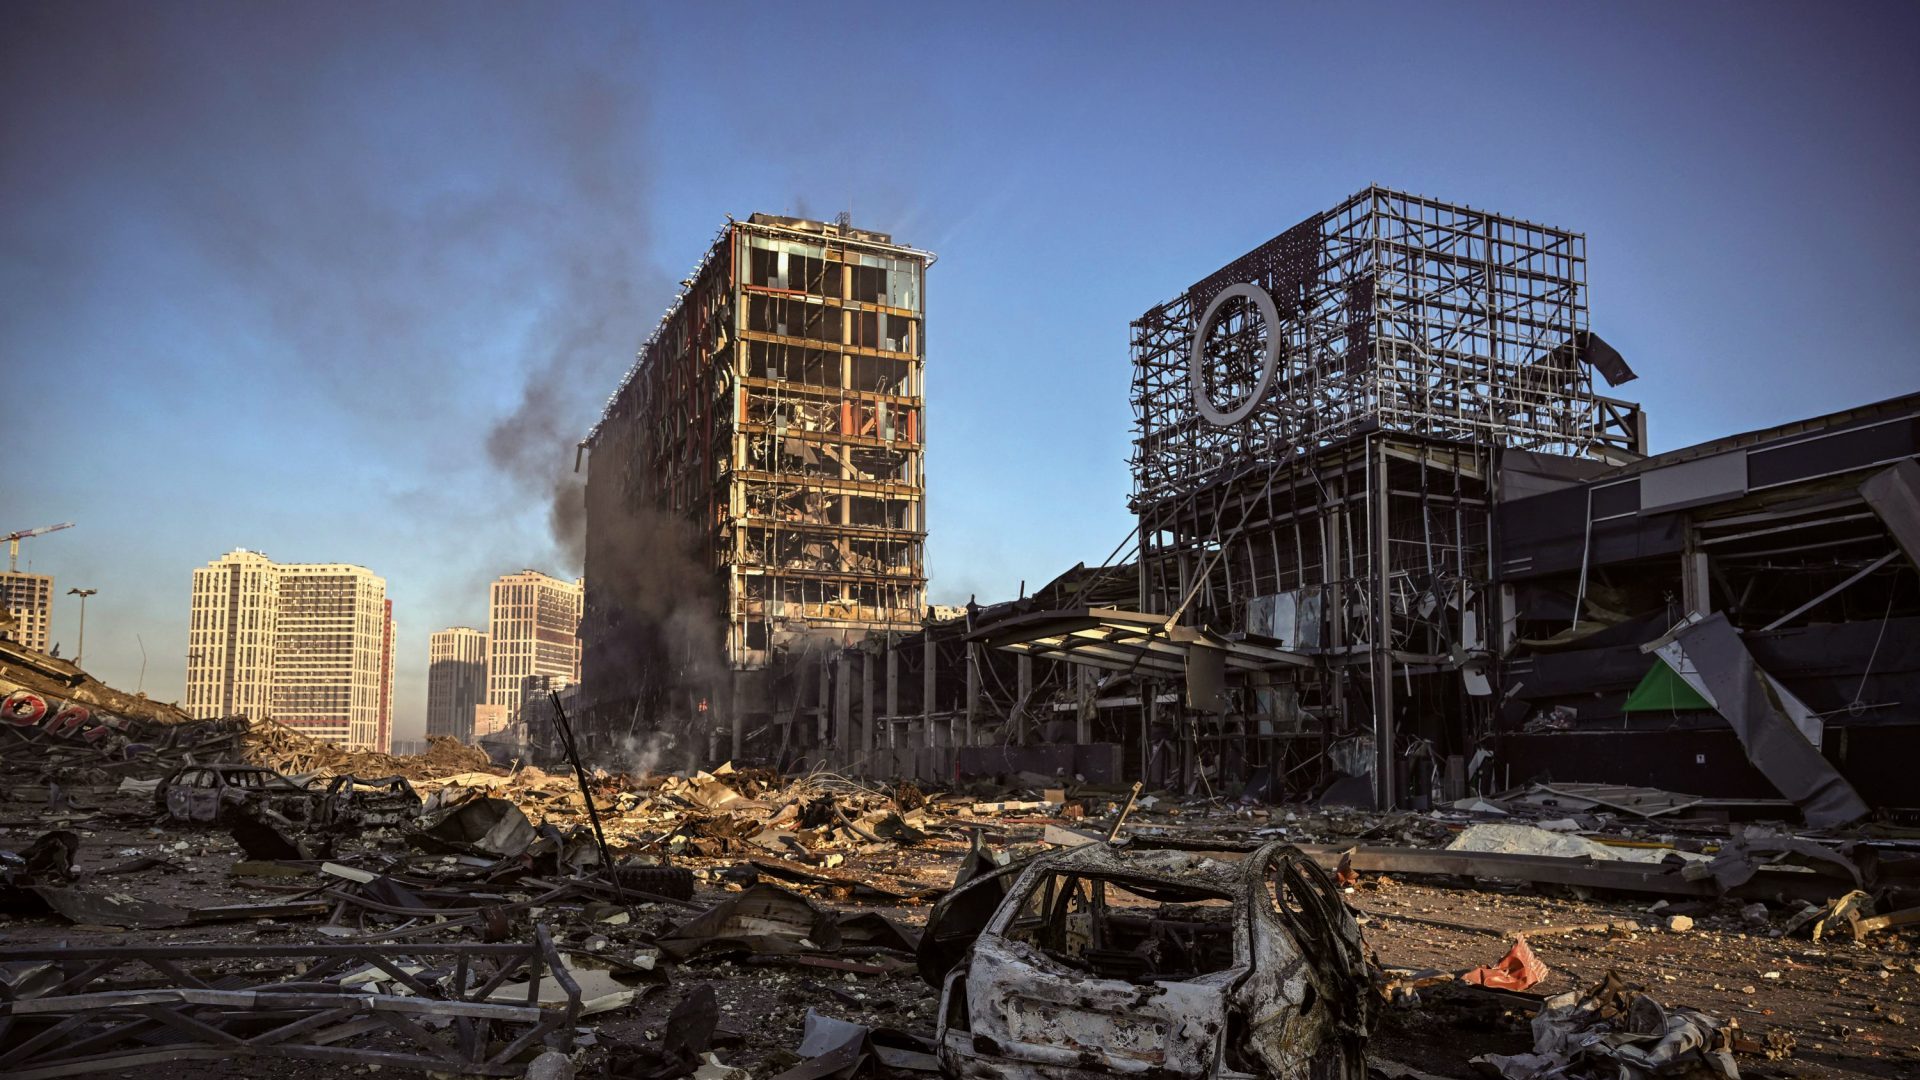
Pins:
<point x="1127" y="641"/>
<point x="1775" y="728"/>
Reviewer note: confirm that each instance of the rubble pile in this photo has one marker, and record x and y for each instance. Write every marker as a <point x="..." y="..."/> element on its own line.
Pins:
<point x="743" y="923"/>
<point x="282" y="749"/>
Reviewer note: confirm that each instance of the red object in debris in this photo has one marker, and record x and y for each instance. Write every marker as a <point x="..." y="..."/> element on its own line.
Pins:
<point x="1518" y="970"/>
<point x="1344" y="875"/>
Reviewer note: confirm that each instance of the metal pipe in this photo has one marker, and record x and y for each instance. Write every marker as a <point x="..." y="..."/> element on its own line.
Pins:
<point x="565" y="731"/>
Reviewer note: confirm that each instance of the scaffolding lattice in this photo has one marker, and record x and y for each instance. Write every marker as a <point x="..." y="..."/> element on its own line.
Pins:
<point x="1390" y="312"/>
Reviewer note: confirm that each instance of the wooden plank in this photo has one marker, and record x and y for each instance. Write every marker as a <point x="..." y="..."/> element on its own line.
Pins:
<point x="1873" y="923"/>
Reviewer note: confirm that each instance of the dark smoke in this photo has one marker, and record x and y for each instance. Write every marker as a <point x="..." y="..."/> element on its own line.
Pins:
<point x="302" y="153"/>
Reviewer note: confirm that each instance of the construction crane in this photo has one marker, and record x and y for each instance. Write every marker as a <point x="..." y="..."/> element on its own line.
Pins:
<point x="13" y="542"/>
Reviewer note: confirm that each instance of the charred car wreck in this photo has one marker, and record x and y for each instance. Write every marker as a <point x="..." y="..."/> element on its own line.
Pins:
<point x="1105" y="961"/>
<point x="221" y="793"/>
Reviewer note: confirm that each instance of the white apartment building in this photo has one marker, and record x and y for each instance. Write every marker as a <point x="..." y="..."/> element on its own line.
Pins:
<point x="456" y="681"/>
<point x="29" y="599"/>
<point x="236" y="604"/>
<point x="533" y="638"/>
<point x="306" y="644"/>
<point x="329" y="671"/>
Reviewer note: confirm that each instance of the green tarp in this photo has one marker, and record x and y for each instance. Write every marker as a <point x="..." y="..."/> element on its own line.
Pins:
<point x="1663" y="690"/>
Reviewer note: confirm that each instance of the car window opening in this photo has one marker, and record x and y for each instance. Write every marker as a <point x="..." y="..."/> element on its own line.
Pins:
<point x="1128" y="929"/>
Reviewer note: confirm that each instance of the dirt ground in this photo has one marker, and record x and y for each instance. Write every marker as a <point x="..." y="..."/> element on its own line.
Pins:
<point x="1853" y="1008"/>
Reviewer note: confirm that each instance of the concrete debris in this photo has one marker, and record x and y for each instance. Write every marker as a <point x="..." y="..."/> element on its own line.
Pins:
<point x="798" y="898"/>
<point x="1615" y="1030"/>
<point x="1515" y="839"/>
<point x="552" y="1065"/>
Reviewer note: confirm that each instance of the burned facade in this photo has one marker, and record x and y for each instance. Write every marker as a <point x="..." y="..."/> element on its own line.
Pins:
<point x="1318" y="431"/>
<point x="1390" y="528"/>
<point x="1796" y="545"/>
<point x="756" y="486"/>
<point x="1394" y="536"/>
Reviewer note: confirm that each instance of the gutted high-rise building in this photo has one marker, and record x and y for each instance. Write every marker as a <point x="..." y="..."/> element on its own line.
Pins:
<point x="236" y="608"/>
<point x="329" y="669"/>
<point x="533" y="638"/>
<point x="456" y="680"/>
<point x="756" y="488"/>
<point x="28" y="599"/>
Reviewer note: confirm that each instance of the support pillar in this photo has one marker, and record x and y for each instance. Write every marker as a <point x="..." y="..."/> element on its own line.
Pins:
<point x="1378" y="493"/>
<point x="1696" y="582"/>
<point x="864" y="755"/>
<point x="1083" y="714"/>
<point x="1148" y="717"/>
<point x="842" y="706"/>
<point x="1023" y="687"/>
<point x="930" y="664"/>
<point x="730" y="703"/>
<point x="973" y="688"/>
<point x="893" y="687"/>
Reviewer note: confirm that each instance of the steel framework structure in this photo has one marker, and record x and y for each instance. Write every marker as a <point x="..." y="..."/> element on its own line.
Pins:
<point x="1389" y="312"/>
<point x="125" y="1007"/>
<point x="1318" y="425"/>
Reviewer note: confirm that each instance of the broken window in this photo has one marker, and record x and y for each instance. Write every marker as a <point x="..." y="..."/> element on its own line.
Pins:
<point x="869" y="285"/>
<point x="865" y="328"/>
<point x="793" y="317"/>
<point x="896" y="333"/>
<point x="1130" y="929"/>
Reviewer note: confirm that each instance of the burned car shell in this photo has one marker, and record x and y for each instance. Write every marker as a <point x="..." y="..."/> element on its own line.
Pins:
<point x="1293" y="1001"/>
<point x="357" y="802"/>
<point x="214" y="793"/>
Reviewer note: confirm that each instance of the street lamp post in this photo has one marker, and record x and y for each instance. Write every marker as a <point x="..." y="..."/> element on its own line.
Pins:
<point x="81" y="651"/>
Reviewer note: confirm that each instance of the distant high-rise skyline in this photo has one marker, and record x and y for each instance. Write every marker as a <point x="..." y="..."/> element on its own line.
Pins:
<point x="456" y="681"/>
<point x="29" y="599"/>
<point x="533" y="637"/>
<point x="383" y="738"/>
<point x="306" y="644"/>
<point x="327" y="655"/>
<point x="236" y="607"/>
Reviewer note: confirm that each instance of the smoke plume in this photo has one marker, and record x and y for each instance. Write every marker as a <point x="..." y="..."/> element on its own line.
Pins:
<point x="301" y="153"/>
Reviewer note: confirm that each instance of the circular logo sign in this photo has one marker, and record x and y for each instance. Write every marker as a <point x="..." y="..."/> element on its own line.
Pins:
<point x="1236" y="347"/>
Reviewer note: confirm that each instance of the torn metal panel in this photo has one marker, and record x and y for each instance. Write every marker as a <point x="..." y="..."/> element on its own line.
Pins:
<point x="763" y="919"/>
<point x="484" y="826"/>
<point x="1167" y="963"/>
<point x="1894" y="494"/>
<point x="1206" y="679"/>
<point x="1764" y="716"/>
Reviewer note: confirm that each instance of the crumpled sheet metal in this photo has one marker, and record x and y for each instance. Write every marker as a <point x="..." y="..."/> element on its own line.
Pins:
<point x="1753" y="704"/>
<point x="1293" y="1001"/>
<point x="1616" y="1032"/>
<point x="763" y="919"/>
<point x="1751" y="847"/>
<point x="483" y="826"/>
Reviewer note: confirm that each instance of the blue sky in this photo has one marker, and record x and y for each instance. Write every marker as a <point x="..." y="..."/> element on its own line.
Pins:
<point x="345" y="282"/>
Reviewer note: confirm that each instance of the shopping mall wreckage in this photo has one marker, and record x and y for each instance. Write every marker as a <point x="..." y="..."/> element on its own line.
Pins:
<point x="1395" y="544"/>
